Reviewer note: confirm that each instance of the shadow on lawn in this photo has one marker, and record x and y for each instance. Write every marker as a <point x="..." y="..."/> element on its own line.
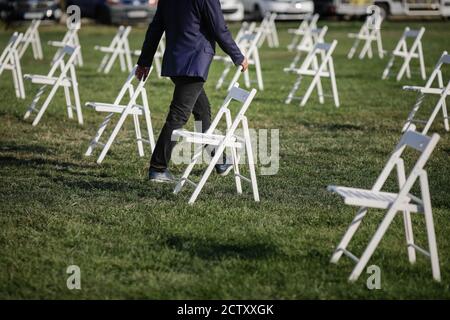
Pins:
<point x="213" y="249"/>
<point x="25" y="148"/>
<point x="33" y="162"/>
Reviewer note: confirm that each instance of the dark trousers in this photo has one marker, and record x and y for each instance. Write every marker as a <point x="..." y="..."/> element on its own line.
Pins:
<point x="188" y="97"/>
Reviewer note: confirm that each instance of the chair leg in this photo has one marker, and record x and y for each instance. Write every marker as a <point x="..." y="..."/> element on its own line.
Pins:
<point x="352" y="51"/>
<point x="98" y="135"/>
<point x="76" y="95"/>
<point x="433" y="116"/>
<point x="251" y="161"/>
<point x="334" y="85"/>
<point x="236" y="77"/>
<point x="294" y="62"/>
<point x="45" y="105"/>
<point x="373" y="244"/>
<point x="348" y="235"/>
<point x="223" y="76"/>
<point x="258" y="71"/>
<point x="68" y="102"/>
<point x="404" y="68"/>
<point x="148" y="120"/>
<point x="34" y="102"/>
<point x="444" y="103"/>
<point x="137" y="129"/>
<point x="236" y="170"/>
<point x="207" y="173"/>
<point x="380" y="45"/>
<point x="294" y="89"/>
<point x="388" y="68"/>
<point x="188" y="170"/>
<point x="113" y="135"/>
<point x="413" y="112"/>
<point x="422" y="63"/>
<point x="430" y="226"/>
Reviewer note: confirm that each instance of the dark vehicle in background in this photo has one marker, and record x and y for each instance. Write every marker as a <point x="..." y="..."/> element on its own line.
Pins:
<point x="116" y="11"/>
<point x="326" y="8"/>
<point x="11" y="10"/>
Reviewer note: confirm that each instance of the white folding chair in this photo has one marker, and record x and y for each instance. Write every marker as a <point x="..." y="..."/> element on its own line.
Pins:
<point x="249" y="46"/>
<point x="221" y="142"/>
<point x="158" y="55"/>
<point x="70" y="39"/>
<point x="269" y="31"/>
<point x="119" y="47"/>
<point x="67" y="79"/>
<point x="10" y="60"/>
<point x="124" y="108"/>
<point x="306" y="45"/>
<point x="307" y="24"/>
<point x="318" y="64"/>
<point x="403" y="201"/>
<point x="401" y="50"/>
<point x="32" y="37"/>
<point x="441" y="90"/>
<point x="367" y="34"/>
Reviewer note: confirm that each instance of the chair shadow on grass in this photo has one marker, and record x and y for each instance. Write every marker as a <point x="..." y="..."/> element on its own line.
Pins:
<point x="215" y="249"/>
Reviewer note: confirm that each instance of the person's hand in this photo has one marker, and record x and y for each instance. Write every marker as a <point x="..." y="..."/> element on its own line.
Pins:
<point x="244" y="64"/>
<point x="141" y="73"/>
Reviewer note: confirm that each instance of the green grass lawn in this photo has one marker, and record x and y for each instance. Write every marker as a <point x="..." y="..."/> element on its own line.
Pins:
<point x="134" y="239"/>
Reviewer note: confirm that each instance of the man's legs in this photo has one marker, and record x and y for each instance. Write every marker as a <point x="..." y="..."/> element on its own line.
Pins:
<point x="188" y="97"/>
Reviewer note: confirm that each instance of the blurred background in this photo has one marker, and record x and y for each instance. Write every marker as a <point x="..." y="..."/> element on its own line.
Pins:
<point x="135" y="12"/>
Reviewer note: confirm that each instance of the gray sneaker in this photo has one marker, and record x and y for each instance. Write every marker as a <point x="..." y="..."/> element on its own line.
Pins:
<point x="160" y="176"/>
<point x="225" y="167"/>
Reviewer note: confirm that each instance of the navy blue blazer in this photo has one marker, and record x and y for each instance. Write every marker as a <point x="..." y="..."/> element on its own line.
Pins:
<point x="192" y="29"/>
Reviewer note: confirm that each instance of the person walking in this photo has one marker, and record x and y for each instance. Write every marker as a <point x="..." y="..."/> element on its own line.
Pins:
<point x="192" y="28"/>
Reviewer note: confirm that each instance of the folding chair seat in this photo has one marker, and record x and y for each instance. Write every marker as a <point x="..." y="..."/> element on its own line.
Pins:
<point x="305" y="27"/>
<point x="306" y="45"/>
<point x="230" y="140"/>
<point x="124" y="109"/>
<point x="269" y="31"/>
<point x="158" y="55"/>
<point x="431" y="88"/>
<point x="367" y="34"/>
<point x="401" y="50"/>
<point x="248" y="43"/>
<point x="119" y="47"/>
<point x="318" y="64"/>
<point x="404" y="202"/>
<point x="10" y="60"/>
<point x="70" y="39"/>
<point x="67" y="79"/>
<point x="32" y="37"/>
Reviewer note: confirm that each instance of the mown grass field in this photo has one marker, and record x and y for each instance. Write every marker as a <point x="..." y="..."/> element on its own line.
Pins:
<point x="134" y="239"/>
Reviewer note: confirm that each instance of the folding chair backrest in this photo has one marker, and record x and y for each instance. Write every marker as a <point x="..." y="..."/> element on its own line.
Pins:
<point x="67" y="52"/>
<point x="312" y="20"/>
<point x="322" y="49"/>
<point x="239" y="95"/>
<point x="413" y="140"/>
<point x="414" y="35"/>
<point x="10" y="55"/>
<point x="125" y="32"/>
<point x="437" y="71"/>
<point x="369" y="26"/>
<point x="246" y="28"/>
<point x="249" y="42"/>
<point x="13" y="43"/>
<point x="133" y="90"/>
<point x="31" y="31"/>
